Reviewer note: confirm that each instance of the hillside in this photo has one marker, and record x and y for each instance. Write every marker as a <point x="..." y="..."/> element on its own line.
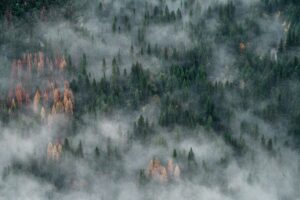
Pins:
<point x="154" y="99"/>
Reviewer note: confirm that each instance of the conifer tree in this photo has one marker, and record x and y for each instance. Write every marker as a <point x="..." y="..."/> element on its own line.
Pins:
<point x="79" y="151"/>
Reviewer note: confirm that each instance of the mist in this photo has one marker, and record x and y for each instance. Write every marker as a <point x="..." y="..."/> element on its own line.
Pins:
<point x="164" y="99"/>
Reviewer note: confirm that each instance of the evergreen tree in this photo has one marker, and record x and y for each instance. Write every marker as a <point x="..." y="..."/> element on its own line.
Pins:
<point x="66" y="146"/>
<point x="115" y="68"/>
<point x="83" y="65"/>
<point x="131" y="50"/>
<point x="263" y="142"/>
<point x="97" y="152"/>
<point x="149" y="49"/>
<point x="100" y="7"/>
<point x="191" y="156"/>
<point x="270" y="145"/>
<point x="179" y="15"/>
<point x="114" y="25"/>
<point x="166" y="53"/>
<point x="109" y="149"/>
<point x="281" y="46"/>
<point x="104" y="66"/>
<point x="192" y="165"/>
<point x="142" y="178"/>
<point x="174" y="155"/>
<point x="79" y="151"/>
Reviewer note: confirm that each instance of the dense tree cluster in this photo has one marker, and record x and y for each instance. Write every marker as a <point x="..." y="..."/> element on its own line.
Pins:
<point x="19" y="8"/>
<point x="265" y="85"/>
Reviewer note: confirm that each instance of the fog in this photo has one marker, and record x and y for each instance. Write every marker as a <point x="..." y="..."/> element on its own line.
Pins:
<point x="220" y="172"/>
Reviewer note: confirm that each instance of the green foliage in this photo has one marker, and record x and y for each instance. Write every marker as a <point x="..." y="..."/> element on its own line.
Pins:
<point x="174" y="155"/>
<point x="182" y="88"/>
<point x="66" y="146"/>
<point x="97" y="152"/>
<point x="143" y="178"/>
<point x="142" y="128"/>
<point x="293" y="35"/>
<point x="79" y="150"/>
<point x="192" y="164"/>
<point x="191" y="156"/>
<point x="83" y="65"/>
<point x="114" y="25"/>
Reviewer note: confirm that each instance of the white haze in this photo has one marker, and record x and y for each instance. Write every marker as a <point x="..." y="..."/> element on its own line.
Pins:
<point x="272" y="177"/>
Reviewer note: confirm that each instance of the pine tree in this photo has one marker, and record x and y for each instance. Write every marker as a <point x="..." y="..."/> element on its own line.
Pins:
<point x="69" y="64"/>
<point x="115" y="68"/>
<point x="104" y="67"/>
<point x="109" y="149"/>
<point x="149" y="49"/>
<point x="83" y="64"/>
<point x="174" y="155"/>
<point x="100" y="6"/>
<point x="142" y="177"/>
<point x="167" y="13"/>
<point x="263" y="142"/>
<point x="179" y="15"/>
<point x="270" y="145"/>
<point x="97" y="152"/>
<point x="166" y="53"/>
<point x="191" y="162"/>
<point x="281" y="46"/>
<point x="191" y="156"/>
<point x="66" y="146"/>
<point x="79" y="151"/>
<point x="114" y="25"/>
<point x="131" y="50"/>
<point x="140" y="35"/>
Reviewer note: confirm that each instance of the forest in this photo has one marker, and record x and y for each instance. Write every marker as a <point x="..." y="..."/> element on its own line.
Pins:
<point x="153" y="99"/>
